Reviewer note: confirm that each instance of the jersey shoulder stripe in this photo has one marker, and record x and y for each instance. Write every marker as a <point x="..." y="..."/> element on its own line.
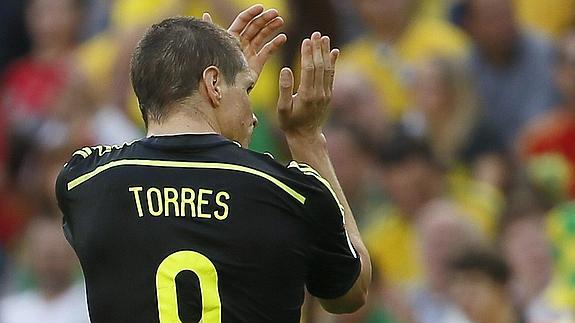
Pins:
<point x="184" y="164"/>
<point x="308" y="170"/>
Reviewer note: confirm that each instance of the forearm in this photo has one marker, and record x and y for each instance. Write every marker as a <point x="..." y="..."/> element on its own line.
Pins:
<point x="312" y="150"/>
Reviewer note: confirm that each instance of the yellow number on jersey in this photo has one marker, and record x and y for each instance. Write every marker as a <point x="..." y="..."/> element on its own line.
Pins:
<point x="166" y="286"/>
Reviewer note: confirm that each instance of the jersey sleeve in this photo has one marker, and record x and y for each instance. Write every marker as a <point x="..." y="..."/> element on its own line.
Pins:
<point x="334" y="264"/>
<point x="81" y="161"/>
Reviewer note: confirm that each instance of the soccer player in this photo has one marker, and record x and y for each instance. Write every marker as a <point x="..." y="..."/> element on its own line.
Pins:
<point x="187" y="224"/>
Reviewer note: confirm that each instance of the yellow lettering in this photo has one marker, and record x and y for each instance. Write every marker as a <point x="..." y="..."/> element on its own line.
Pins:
<point x="188" y="196"/>
<point x="201" y="201"/>
<point x="222" y="195"/>
<point x="136" y="191"/>
<point x="158" y="194"/>
<point x="171" y="197"/>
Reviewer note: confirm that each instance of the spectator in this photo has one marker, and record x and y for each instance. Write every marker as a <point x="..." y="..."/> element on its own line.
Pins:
<point x="353" y="160"/>
<point x="32" y="85"/>
<point x="57" y="298"/>
<point x="512" y="67"/>
<point x="446" y="114"/>
<point x="446" y="111"/>
<point x="528" y="250"/>
<point x="355" y="103"/>
<point x="479" y="286"/>
<point x="412" y="178"/>
<point x="396" y="36"/>
<point x="443" y="232"/>
<point x="553" y="133"/>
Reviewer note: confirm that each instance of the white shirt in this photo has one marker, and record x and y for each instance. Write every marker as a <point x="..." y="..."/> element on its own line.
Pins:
<point x="31" y="307"/>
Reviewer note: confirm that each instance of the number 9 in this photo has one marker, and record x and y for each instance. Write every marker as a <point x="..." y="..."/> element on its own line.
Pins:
<point x="166" y="286"/>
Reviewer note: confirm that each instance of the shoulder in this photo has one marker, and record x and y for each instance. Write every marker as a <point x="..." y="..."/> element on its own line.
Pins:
<point x="89" y="159"/>
<point x="298" y="179"/>
<point x="447" y="40"/>
<point x="537" y="45"/>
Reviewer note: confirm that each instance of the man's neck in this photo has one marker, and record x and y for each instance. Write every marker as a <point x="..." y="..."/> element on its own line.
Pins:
<point x="195" y="122"/>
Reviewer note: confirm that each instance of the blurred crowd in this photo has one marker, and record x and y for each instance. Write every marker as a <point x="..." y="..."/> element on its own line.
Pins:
<point x="452" y="133"/>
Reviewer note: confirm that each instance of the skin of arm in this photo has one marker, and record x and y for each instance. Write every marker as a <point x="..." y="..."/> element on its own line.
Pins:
<point x="301" y="117"/>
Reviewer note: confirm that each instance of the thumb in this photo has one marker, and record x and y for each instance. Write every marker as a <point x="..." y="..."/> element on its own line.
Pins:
<point x="286" y="91"/>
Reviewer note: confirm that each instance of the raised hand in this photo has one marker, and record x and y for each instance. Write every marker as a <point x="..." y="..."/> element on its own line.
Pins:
<point x="254" y="28"/>
<point x="303" y="114"/>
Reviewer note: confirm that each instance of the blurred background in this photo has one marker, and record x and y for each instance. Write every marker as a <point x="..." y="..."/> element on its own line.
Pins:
<point x="452" y="133"/>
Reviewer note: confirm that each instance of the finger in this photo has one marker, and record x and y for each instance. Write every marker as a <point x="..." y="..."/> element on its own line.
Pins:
<point x="257" y="24"/>
<point x="263" y="36"/>
<point x="286" y="92"/>
<point x="207" y="17"/>
<point x="329" y="71"/>
<point x="244" y="18"/>
<point x="333" y="56"/>
<point x="270" y="48"/>
<point x="307" y="67"/>
<point x="317" y="63"/>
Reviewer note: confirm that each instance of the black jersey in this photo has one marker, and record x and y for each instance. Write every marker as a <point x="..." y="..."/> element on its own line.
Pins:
<point x="188" y="227"/>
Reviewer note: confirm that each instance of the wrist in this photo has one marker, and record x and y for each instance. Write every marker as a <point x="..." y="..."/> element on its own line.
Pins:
<point x="309" y="149"/>
<point x="306" y="140"/>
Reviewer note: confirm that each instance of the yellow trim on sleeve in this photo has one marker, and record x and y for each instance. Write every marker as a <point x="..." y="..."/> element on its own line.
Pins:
<point x="183" y="164"/>
<point x="87" y="150"/>
<point x="308" y="170"/>
<point x="81" y="153"/>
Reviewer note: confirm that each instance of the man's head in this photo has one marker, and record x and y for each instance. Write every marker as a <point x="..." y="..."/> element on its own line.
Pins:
<point x="412" y="176"/>
<point x="187" y="65"/>
<point x="525" y="244"/>
<point x="490" y="23"/>
<point x="53" y="22"/>
<point x="386" y="17"/>
<point x="443" y="230"/>
<point x="479" y="278"/>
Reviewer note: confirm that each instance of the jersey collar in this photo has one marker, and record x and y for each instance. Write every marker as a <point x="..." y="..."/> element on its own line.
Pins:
<point x="183" y="141"/>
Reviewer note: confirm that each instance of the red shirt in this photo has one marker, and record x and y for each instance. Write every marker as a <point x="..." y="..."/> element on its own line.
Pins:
<point x="553" y="133"/>
<point x="30" y="87"/>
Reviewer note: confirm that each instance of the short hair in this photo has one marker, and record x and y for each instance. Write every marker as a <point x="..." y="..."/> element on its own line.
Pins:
<point x="482" y="260"/>
<point x="458" y="12"/>
<point x="402" y="146"/>
<point x="169" y="61"/>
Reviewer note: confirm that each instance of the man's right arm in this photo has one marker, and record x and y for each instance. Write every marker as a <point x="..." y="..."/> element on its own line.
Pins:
<point x="301" y="118"/>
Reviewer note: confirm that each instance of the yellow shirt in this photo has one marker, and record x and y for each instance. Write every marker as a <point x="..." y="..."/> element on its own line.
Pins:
<point x="552" y="17"/>
<point x="392" y="238"/>
<point x="393" y="249"/>
<point x="387" y="66"/>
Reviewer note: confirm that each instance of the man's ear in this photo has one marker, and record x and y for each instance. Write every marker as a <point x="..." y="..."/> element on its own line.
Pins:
<point x="212" y="80"/>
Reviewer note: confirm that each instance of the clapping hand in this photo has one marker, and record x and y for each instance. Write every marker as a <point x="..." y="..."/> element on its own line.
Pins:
<point x="255" y="28"/>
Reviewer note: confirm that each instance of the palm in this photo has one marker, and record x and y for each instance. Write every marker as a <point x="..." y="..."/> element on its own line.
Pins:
<point x="254" y="27"/>
<point x="306" y="111"/>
